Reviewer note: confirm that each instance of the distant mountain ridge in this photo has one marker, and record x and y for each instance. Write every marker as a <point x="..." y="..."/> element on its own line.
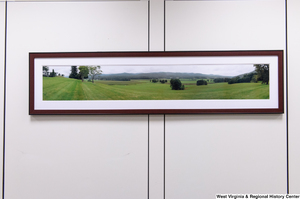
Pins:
<point x="160" y="75"/>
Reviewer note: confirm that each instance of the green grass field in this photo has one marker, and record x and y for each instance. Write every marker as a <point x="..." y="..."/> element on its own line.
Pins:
<point x="60" y="88"/>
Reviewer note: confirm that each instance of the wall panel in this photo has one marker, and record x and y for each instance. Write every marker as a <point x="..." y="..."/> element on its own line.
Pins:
<point x="156" y="122"/>
<point x="156" y="25"/>
<point x="293" y="93"/>
<point x="206" y="155"/>
<point x="224" y="25"/>
<point x="210" y="154"/>
<point x="72" y="156"/>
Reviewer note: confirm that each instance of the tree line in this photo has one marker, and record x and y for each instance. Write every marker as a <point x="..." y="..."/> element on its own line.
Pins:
<point x="85" y="72"/>
<point x="159" y="80"/>
<point x="82" y="72"/>
<point x="261" y="73"/>
<point x="246" y="78"/>
<point x="50" y="74"/>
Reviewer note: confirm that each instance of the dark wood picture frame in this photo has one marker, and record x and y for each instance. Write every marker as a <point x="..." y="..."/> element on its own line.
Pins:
<point x="37" y="60"/>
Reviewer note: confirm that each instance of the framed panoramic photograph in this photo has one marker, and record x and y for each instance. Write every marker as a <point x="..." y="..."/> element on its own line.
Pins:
<point x="156" y="82"/>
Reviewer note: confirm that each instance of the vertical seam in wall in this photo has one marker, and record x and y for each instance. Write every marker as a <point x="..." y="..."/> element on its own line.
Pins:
<point x="148" y="182"/>
<point x="148" y="175"/>
<point x="164" y="156"/>
<point x="164" y="25"/>
<point x="4" y="100"/>
<point x="148" y="190"/>
<point x="287" y="115"/>
<point x="164" y="167"/>
<point x="148" y="26"/>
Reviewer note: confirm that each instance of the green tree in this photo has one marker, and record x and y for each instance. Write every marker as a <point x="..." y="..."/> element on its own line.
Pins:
<point x="234" y="80"/>
<point x="262" y="71"/>
<point x="83" y="72"/>
<point x="93" y="71"/>
<point x="176" y="84"/>
<point x="201" y="82"/>
<point x="53" y="73"/>
<point x="45" y="71"/>
<point x="74" y="72"/>
<point x="254" y="79"/>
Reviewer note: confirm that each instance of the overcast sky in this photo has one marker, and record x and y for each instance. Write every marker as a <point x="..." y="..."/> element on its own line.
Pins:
<point x="226" y="70"/>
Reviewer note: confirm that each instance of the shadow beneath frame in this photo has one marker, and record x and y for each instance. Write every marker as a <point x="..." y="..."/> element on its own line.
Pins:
<point x="237" y="117"/>
<point x="143" y="117"/>
<point x="110" y="118"/>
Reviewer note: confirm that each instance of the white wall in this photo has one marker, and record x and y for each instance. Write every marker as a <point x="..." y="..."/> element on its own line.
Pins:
<point x="293" y="93"/>
<point x="72" y="156"/>
<point x="107" y="156"/>
<point x="225" y="25"/>
<point x="209" y="154"/>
